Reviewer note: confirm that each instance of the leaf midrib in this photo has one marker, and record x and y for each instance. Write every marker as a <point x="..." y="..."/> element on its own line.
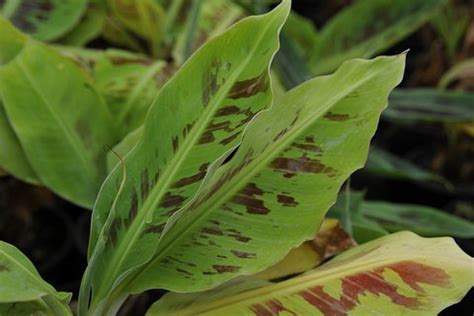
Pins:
<point x="253" y="169"/>
<point x="312" y="279"/>
<point x="149" y="206"/>
<point x="72" y="137"/>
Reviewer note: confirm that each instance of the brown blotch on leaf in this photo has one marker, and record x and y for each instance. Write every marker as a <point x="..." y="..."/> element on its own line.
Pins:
<point x="302" y="164"/>
<point x="243" y="254"/>
<point x="336" y="117"/>
<point x="225" y="268"/>
<point x="247" y="197"/>
<point x="286" y="200"/>
<point x="228" y="110"/>
<point x="234" y="233"/>
<point x="155" y="229"/>
<point x="192" y="179"/>
<point x="250" y="87"/>
<point x="212" y="231"/>
<point x="229" y="139"/>
<point x="210" y="82"/>
<point x="175" y="142"/>
<point x="4" y="268"/>
<point x="183" y="271"/>
<point x="144" y="184"/>
<point x="171" y="200"/>
<point x="308" y="147"/>
<point x="373" y="282"/>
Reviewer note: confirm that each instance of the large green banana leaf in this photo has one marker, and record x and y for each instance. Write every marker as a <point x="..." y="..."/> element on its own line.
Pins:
<point x="368" y="27"/>
<point x="197" y="117"/>
<point x="43" y="19"/>
<point x="60" y="119"/>
<point x="23" y="291"/>
<point x="400" y="274"/>
<point x="274" y="192"/>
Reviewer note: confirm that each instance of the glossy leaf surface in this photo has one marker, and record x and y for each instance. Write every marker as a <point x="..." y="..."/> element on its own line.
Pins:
<point x="400" y="274"/>
<point x="279" y="184"/>
<point x="197" y="117"/>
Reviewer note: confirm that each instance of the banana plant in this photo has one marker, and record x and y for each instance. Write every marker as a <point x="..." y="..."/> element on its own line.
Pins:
<point x="220" y="181"/>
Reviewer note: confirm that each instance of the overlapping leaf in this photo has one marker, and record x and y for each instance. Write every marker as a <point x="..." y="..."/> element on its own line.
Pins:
<point x="273" y="194"/>
<point x="60" y="119"/>
<point x="368" y="27"/>
<point x="401" y="274"/>
<point x="43" y="19"/>
<point x="23" y="291"/>
<point x="197" y="117"/>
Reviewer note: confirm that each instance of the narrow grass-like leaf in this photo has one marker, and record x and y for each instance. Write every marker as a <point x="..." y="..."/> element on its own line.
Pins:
<point x="44" y="19"/>
<point x="423" y="220"/>
<point x="273" y="194"/>
<point x="400" y="274"/>
<point x="197" y="117"/>
<point x="367" y="27"/>
<point x="60" y="119"/>
<point x="430" y="106"/>
<point x="22" y="288"/>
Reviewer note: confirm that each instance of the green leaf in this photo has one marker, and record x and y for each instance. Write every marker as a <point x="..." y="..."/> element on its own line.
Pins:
<point x="214" y="17"/>
<point x="430" y="106"/>
<point x="12" y="157"/>
<point x="423" y="220"/>
<point x="279" y="184"/>
<point x="89" y="27"/>
<point x="23" y="290"/>
<point x="400" y="274"/>
<point x="198" y="116"/>
<point x="368" y="27"/>
<point x="60" y="119"/>
<point x="459" y="71"/>
<point x="386" y="164"/>
<point x="303" y="33"/>
<point x="45" y="20"/>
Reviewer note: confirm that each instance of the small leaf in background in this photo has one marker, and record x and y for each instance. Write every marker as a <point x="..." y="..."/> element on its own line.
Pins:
<point x="461" y="71"/>
<point x="197" y="117"/>
<point x="213" y="18"/>
<point x="368" y="27"/>
<point x="88" y="28"/>
<point x="146" y="18"/>
<point x="23" y="291"/>
<point x="331" y="240"/>
<point x="400" y="274"/>
<point x="411" y="106"/>
<point x="45" y="20"/>
<point x="386" y="164"/>
<point x="60" y="119"/>
<point x="451" y="24"/>
<point x="423" y="220"/>
<point x="302" y="33"/>
<point x="292" y="160"/>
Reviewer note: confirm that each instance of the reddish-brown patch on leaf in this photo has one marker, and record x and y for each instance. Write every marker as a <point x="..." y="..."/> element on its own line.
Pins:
<point x="250" y="87"/>
<point x="170" y="200"/>
<point x="248" y="198"/>
<point x="413" y="273"/>
<point x="302" y="164"/>
<point x="373" y="282"/>
<point x="237" y="235"/>
<point x="225" y="268"/>
<point x="210" y="82"/>
<point x="286" y="200"/>
<point x="183" y="271"/>
<point x="228" y="110"/>
<point x="229" y="139"/>
<point x="243" y="254"/>
<point x="308" y="147"/>
<point x="192" y="179"/>
<point x="175" y="143"/>
<point x="336" y="117"/>
<point x="270" y="308"/>
<point x="155" y="229"/>
<point x="309" y="139"/>
<point x="212" y="231"/>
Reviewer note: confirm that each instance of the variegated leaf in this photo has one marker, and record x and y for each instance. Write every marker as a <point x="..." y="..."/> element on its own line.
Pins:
<point x="197" y="117"/>
<point x="23" y="291"/>
<point x="274" y="192"/>
<point x="400" y="274"/>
